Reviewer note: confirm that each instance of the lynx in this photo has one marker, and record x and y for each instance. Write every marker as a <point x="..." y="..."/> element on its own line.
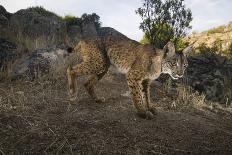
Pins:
<point x="141" y="64"/>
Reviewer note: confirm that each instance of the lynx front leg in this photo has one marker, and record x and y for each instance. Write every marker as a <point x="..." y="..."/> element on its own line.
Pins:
<point x="146" y="91"/>
<point x="135" y="88"/>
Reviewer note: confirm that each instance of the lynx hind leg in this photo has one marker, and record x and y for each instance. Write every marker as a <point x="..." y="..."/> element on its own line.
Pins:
<point x="86" y="68"/>
<point x="73" y="73"/>
<point x="89" y="85"/>
<point x="135" y="88"/>
<point x="147" y="97"/>
<point x="71" y="81"/>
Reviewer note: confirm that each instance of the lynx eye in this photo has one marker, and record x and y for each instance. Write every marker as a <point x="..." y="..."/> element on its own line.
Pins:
<point x="173" y="63"/>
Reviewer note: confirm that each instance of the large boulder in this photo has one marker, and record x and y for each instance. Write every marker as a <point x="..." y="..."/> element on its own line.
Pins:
<point x="211" y="74"/>
<point x="37" y="28"/>
<point x="39" y="63"/>
<point x="108" y="31"/>
<point x="8" y="54"/>
<point x="4" y="17"/>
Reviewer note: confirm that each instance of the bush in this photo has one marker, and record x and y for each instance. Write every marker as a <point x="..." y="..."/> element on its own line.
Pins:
<point x="219" y="29"/>
<point x="216" y="48"/>
<point x="42" y="11"/>
<point x="72" y="20"/>
<point x="70" y="17"/>
<point x="230" y="50"/>
<point x="180" y="44"/>
<point x="203" y="48"/>
<point x="85" y="18"/>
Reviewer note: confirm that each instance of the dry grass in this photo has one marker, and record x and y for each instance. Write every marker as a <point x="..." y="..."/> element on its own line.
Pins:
<point x="37" y="117"/>
<point x="180" y="96"/>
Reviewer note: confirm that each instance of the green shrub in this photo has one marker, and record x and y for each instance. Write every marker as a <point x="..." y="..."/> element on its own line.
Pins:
<point x="144" y="40"/>
<point x="72" y="20"/>
<point x="203" y="48"/>
<point x="42" y="11"/>
<point x="69" y="17"/>
<point x="86" y="18"/>
<point x="230" y="50"/>
<point x="219" y="29"/>
<point x="180" y="44"/>
<point x="217" y="46"/>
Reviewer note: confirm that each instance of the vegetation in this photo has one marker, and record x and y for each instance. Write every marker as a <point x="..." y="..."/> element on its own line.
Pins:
<point x="70" y="17"/>
<point x="164" y="20"/>
<point x="42" y="11"/>
<point x="85" y="18"/>
<point x="216" y="49"/>
<point x="72" y="20"/>
<point x="230" y="50"/>
<point x="219" y="29"/>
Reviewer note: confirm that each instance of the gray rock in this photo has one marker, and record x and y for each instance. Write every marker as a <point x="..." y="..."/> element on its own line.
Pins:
<point x="211" y="75"/>
<point x="39" y="63"/>
<point x="4" y="13"/>
<point x="89" y="29"/>
<point x="37" y="28"/>
<point x="74" y="34"/>
<point x="8" y="53"/>
<point x="108" y="31"/>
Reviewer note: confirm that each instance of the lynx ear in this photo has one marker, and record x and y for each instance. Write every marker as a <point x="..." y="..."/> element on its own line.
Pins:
<point x="169" y="50"/>
<point x="187" y="50"/>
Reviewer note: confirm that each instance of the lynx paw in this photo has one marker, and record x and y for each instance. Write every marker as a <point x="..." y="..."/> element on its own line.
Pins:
<point x="100" y="100"/>
<point x="146" y="115"/>
<point x="153" y="110"/>
<point x="73" y="97"/>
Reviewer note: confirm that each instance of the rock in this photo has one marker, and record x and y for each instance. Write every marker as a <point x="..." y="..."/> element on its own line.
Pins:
<point x="108" y="31"/>
<point x="221" y="34"/>
<point x="89" y="29"/>
<point x="74" y="34"/>
<point x="4" y="13"/>
<point x="4" y="20"/>
<point x="38" y="28"/>
<point x="8" y="54"/>
<point x="39" y="63"/>
<point x="211" y="75"/>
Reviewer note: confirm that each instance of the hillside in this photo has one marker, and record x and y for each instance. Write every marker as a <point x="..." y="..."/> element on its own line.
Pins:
<point x="221" y="36"/>
<point x="37" y="116"/>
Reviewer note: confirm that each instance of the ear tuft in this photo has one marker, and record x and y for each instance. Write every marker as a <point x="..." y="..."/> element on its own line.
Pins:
<point x="70" y="49"/>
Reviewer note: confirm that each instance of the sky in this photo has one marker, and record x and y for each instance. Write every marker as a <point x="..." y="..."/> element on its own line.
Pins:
<point x="120" y="14"/>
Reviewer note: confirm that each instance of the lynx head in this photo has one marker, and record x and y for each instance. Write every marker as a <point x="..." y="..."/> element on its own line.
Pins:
<point x="174" y="63"/>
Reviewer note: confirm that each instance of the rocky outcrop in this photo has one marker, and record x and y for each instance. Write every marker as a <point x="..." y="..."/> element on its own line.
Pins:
<point x="211" y="74"/>
<point x="221" y="35"/>
<point x="44" y="34"/>
<point x="33" y="31"/>
<point x="37" y="28"/>
<point x="4" y="17"/>
<point x="8" y="55"/>
<point x="39" y="63"/>
<point x="108" y="31"/>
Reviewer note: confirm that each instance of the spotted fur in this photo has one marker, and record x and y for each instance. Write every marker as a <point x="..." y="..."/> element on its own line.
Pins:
<point x="140" y="63"/>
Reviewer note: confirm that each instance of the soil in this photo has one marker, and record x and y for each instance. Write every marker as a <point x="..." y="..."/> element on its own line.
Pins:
<point x="38" y="118"/>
